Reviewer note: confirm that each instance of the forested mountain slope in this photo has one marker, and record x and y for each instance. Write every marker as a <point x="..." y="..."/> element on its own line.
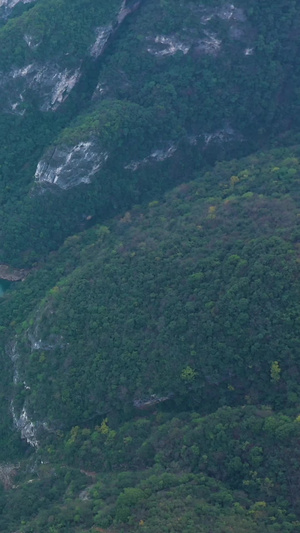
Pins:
<point x="149" y="195"/>
<point x="107" y="104"/>
<point x="165" y="345"/>
<point x="194" y="297"/>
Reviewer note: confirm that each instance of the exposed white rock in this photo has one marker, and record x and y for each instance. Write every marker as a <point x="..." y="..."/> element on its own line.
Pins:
<point x="100" y="90"/>
<point x="49" y="81"/>
<point x="70" y="166"/>
<point x="64" y="83"/>
<point x="26" y="427"/>
<point x="229" y="13"/>
<point x="12" y="3"/>
<point x="209" y="45"/>
<point x="22" y="422"/>
<point x="102" y="36"/>
<point x="226" y="12"/>
<point x="54" y="341"/>
<point x="161" y="155"/>
<point x="36" y="344"/>
<point x="104" y="32"/>
<point x="30" y="41"/>
<point x="171" y="46"/>
<point x="51" y="85"/>
<point x="225" y="134"/>
<point x="22" y="72"/>
<point x="15" y="108"/>
<point x="239" y="15"/>
<point x="154" y="399"/>
<point x="124" y="11"/>
<point x="156" y="156"/>
<point x="36" y="337"/>
<point x="207" y="17"/>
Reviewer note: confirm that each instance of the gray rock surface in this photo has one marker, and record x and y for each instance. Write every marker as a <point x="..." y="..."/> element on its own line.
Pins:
<point x="68" y="166"/>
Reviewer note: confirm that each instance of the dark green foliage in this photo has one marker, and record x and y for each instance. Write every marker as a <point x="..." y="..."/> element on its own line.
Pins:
<point x="194" y="299"/>
<point x="157" y="352"/>
<point x="63" y="31"/>
<point x="213" y="105"/>
<point x="236" y="470"/>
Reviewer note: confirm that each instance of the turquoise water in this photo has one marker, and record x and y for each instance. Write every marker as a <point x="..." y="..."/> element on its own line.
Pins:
<point x="4" y="286"/>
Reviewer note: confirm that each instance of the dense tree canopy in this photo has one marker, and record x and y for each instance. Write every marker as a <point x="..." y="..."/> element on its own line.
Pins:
<point x="149" y="186"/>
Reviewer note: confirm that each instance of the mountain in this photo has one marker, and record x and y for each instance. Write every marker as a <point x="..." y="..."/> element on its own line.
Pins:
<point x="195" y="296"/>
<point x="140" y="93"/>
<point x="149" y="188"/>
<point x="187" y="308"/>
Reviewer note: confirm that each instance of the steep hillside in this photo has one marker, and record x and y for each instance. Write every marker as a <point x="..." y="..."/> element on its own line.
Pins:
<point x="112" y="108"/>
<point x="184" y="307"/>
<point x="150" y="209"/>
<point x="194" y="299"/>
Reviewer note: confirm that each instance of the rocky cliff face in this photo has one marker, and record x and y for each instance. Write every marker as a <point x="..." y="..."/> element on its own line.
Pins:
<point x="21" y="419"/>
<point x="207" y="40"/>
<point x="10" y="4"/>
<point x="50" y="82"/>
<point x="24" y="422"/>
<point x="102" y="36"/>
<point x="202" y="31"/>
<point x="67" y="167"/>
<point x="50" y="85"/>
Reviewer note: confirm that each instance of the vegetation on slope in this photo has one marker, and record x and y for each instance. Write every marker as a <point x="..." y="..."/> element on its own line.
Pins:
<point x="157" y="355"/>
<point x="209" y="103"/>
<point x="160" y="318"/>
<point x="195" y="298"/>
